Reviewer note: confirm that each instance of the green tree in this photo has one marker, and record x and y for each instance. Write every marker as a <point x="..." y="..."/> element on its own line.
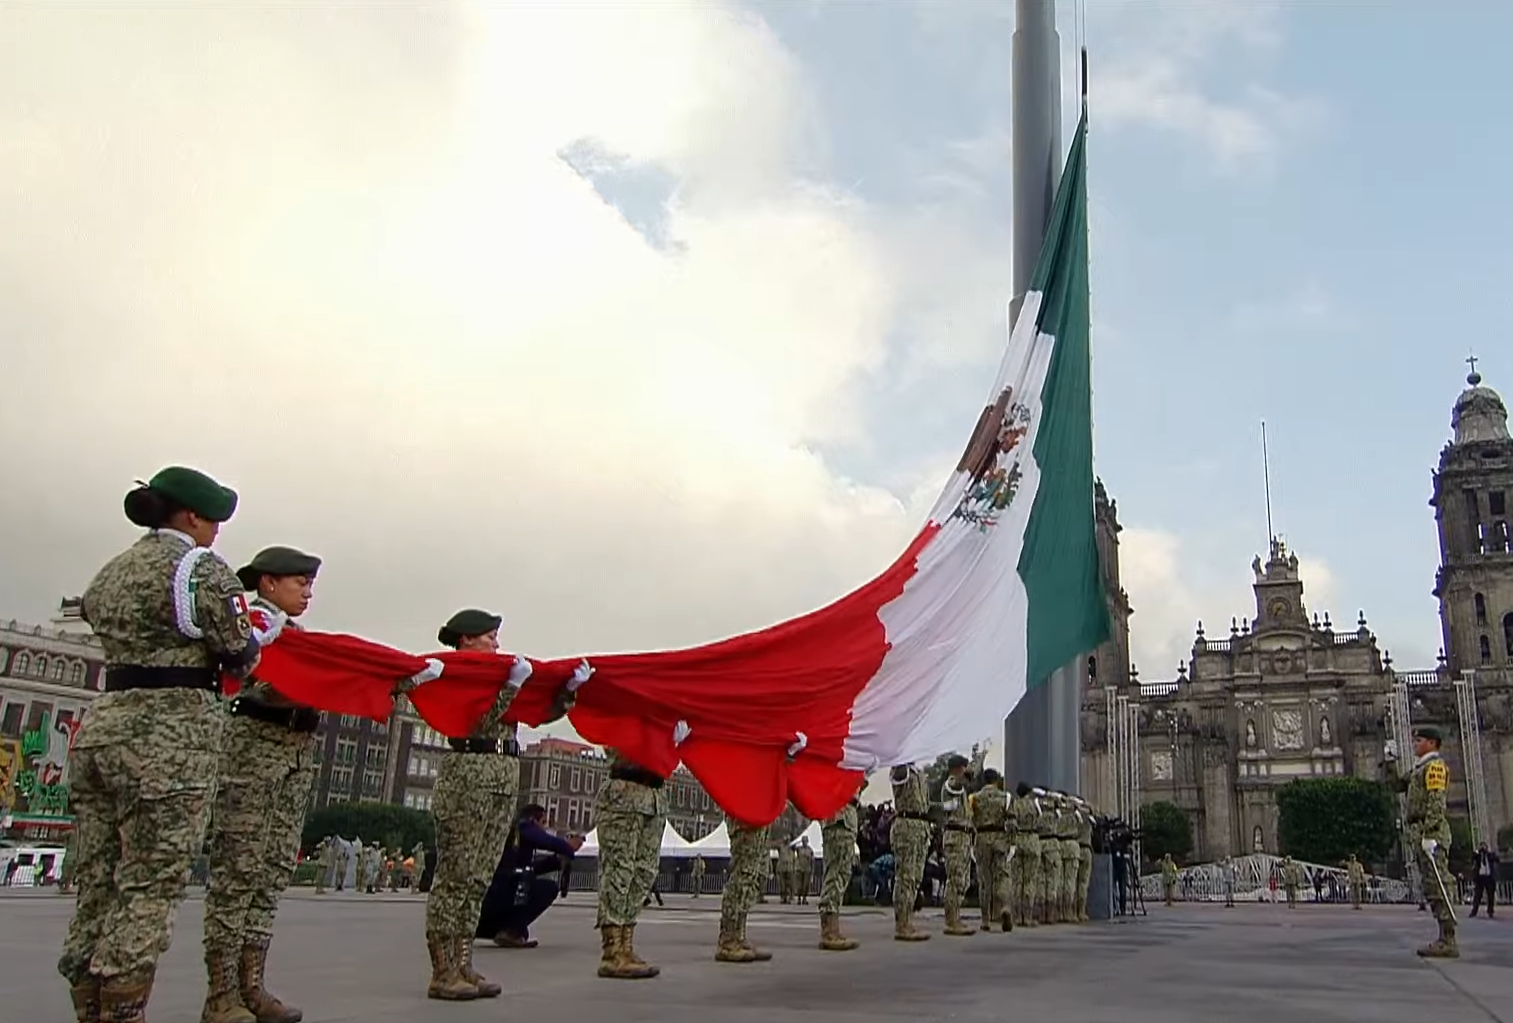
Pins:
<point x="1461" y="846"/>
<point x="1324" y="820"/>
<point x="1164" y="828"/>
<point x="393" y="827"/>
<point x="1505" y="838"/>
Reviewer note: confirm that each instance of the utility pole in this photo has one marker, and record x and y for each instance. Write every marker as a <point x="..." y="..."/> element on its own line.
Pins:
<point x="1042" y="737"/>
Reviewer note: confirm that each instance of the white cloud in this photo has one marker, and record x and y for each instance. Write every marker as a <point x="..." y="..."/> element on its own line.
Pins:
<point x="335" y="259"/>
<point x="1172" y="588"/>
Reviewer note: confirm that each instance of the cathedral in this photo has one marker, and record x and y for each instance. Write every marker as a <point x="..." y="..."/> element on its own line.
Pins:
<point x="1287" y="694"/>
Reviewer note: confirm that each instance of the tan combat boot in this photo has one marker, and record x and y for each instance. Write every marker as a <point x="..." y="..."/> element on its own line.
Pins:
<point x="954" y="926"/>
<point x="485" y="988"/>
<point x="447" y="983"/>
<point x="86" y="998"/>
<point x="123" y="999"/>
<point x="1444" y="946"/>
<point x="628" y="948"/>
<point x="831" y="938"/>
<point x="729" y="948"/>
<point x="760" y="955"/>
<point x="259" y="1001"/>
<point x="903" y="925"/>
<point x="223" y="999"/>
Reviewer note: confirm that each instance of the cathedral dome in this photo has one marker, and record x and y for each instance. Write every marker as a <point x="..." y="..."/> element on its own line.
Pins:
<point x="1480" y="414"/>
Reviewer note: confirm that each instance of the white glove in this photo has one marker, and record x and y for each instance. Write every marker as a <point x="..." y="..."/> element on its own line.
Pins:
<point x="519" y="672"/>
<point x="581" y="674"/>
<point x="1429" y="845"/>
<point x="950" y="805"/>
<point x="1389" y="749"/>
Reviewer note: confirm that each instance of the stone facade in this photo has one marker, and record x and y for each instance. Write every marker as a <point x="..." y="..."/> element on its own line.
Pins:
<point x="1289" y="694"/>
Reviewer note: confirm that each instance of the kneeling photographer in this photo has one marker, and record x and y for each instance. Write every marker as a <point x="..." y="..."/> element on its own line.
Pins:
<point x="525" y="884"/>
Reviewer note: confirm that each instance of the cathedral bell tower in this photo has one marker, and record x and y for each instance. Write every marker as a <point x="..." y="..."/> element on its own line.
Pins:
<point x="1473" y="489"/>
<point x="1279" y="591"/>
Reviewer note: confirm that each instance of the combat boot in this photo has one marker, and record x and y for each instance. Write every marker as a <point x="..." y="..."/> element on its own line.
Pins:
<point x="259" y="1001"/>
<point x="729" y="949"/>
<point x="123" y="999"/>
<point x="759" y="955"/>
<point x="485" y="988"/>
<point x="954" y="927"/>
<point x="447" y="983"/>
<point x="1444" y="946"/>
<point x="628" y="947"/>
<point x="903" y="925"/>
<point x="831" y="938"/>
<point x="223" y="1000"/>
<point x="86" y="998"/>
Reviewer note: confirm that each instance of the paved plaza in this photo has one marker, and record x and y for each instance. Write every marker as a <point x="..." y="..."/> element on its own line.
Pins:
<point x="350" y="957"/>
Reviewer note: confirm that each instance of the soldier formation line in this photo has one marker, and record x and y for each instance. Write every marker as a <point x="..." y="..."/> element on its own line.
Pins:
<point x="164" y="766"/>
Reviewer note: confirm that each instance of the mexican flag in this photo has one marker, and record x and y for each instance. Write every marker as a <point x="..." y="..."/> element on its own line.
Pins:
<point x="998" y="589"/>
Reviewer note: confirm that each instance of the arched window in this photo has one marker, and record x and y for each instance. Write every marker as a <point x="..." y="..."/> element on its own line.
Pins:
<point x="23" y="663"/>
<point x="76" y="673"/>
<point x="1486" y="650"/>
<point x="1507" y="633"/>
<point x="1481" y="610"/>
<point x="59" y="667"/>
<point x="1257" y="840"/>
<point x="40" y="668"/>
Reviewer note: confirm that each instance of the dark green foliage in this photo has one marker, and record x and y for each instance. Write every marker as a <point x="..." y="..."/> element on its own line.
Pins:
<point x="1505" y="838"/>
<point x="1324" y="820"/>
<point x="393" y="827"/>
<point x="1164" y="828"/>
<point x="1461" y="846"/>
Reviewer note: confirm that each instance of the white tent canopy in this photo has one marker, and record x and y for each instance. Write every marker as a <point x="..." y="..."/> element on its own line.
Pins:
<point x="673" y="844"/>
<point x="716" y="843"/>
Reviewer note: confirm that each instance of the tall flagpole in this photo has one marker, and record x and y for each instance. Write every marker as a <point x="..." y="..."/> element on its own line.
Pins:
<point x="1042" y="737"/>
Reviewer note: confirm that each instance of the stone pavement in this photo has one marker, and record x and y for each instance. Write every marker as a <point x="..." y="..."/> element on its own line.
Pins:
<point x="352" y="957"/>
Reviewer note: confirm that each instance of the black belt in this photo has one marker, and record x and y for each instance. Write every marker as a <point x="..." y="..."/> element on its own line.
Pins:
<point x="958" y="827"/>
<point x="639" y="775"/>
<point x="914" y="817"/>
<point x="296" y="719"/>
<point x="504" y="746"/>
<point x="986" y="829"/>
<point x="121" y="677"/>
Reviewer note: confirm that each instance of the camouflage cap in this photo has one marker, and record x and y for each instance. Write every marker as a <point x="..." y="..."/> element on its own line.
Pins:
<point x="195" y="491"/>
<point x="277" y="561"/>
<point x="1429" y="732"/>
<point x="469" y="622"/>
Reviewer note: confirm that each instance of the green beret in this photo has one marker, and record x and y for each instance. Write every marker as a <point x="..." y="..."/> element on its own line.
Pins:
<point x="471" y="622"/>
<point x="196" y="492"/>
<point x="957" y="760"/>
<point x="277" y="561"/>
<point x="1428" y="732"/>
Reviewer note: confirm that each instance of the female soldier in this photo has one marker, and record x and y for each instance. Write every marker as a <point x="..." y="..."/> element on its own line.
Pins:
<point x="267" y="767"/>
<point x="473" y="803"/>
<point x="171" y="618"/>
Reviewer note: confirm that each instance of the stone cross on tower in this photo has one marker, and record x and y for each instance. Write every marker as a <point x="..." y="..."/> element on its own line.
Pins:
<point x="1471" y="361"/>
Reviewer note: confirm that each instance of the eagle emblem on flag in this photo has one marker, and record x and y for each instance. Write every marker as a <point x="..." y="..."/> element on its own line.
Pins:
<point x="990" y="462"/>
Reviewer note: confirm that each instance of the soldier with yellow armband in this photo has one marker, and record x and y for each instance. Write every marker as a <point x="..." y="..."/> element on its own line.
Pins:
<point x="1428" y="832"/>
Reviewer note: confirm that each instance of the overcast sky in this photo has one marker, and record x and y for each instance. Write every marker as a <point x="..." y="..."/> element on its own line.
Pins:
<point x="646" y="326"/>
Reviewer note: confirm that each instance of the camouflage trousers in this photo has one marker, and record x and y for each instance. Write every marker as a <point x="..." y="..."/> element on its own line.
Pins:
<point x="910" y="841"/>
<point x="839" y="844"/>
<point x="957" y="846"/>
<point x="1434" y="872"/>
<point x="1050" y="875"/>
<point x="1071" y="858"/>
<point x="473" y="804"/>
<point x="266" y="773"/>
<point x="140" y="812"/>
<point x="993" y="875"/>
<point x="1024" y="874"/>
<point x="748" y="874"/>
<point x="630" y="852"/>
<point x="1084" y="878"/>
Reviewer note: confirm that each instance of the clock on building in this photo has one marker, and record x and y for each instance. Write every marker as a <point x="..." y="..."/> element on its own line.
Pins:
<point x="1279" y="607"/>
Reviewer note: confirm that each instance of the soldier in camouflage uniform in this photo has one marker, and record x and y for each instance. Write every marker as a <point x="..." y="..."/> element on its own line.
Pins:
<point x="171" y="618"/>
<point x="1047" y="824"/>
<point x="630" y="813"/>
<point x="1428" y="832"/>
<point x="1084" y="814"/>
<point x="956" y="843"/>
<point x="989" y="810"/>
<point x="1024" y="868"/>
<point x="839" y="850"/>
<point x="909" y="838"/>
<point x="1071" y="856"/>
<point x="473" y="803"/>
<point x="749" y="863"/>
<point x="787" y="867"/>
<point x="1355" y="877"/>
<point x="803" y="870"/>
<point x="267" y="769"/>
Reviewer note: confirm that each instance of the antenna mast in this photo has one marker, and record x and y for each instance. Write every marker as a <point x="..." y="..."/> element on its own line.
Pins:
<point x="1271" y="534"/>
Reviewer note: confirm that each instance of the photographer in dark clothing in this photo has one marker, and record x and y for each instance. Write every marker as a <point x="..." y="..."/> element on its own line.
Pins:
<point x="1484" y="880"/>
<point x="524" y="884"/>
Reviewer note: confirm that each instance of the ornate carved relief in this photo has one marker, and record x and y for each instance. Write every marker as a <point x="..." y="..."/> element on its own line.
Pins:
<point x="1287" y="728"/>
<point x="1161" y="765"/>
